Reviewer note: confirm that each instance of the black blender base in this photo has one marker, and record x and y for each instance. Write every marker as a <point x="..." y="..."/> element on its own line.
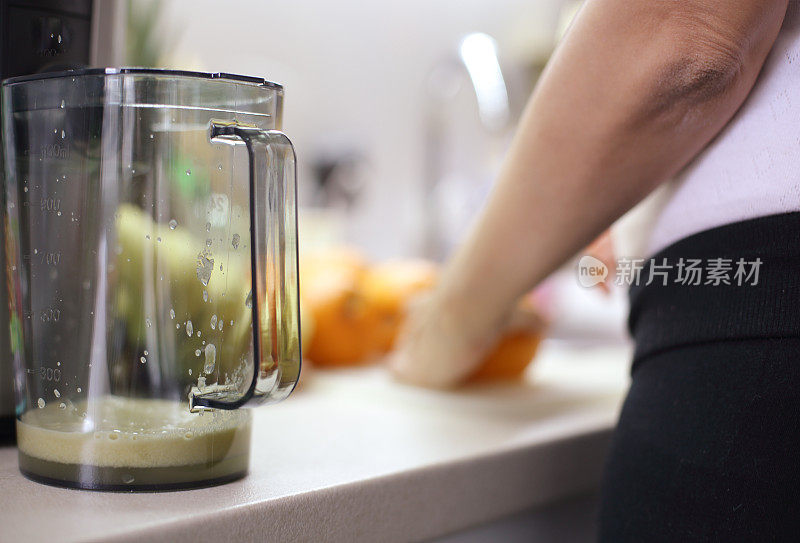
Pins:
<point x="8" y="430"/>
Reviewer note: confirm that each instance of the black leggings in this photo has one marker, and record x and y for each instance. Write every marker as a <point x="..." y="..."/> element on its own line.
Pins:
<point x="708" y="443"/>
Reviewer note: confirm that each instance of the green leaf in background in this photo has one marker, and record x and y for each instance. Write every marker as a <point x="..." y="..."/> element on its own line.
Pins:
<point x="145" y="41"/>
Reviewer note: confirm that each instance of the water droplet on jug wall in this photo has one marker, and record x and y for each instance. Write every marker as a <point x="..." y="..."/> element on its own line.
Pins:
<point x="211" y="358"/>
<point x="205" y="266"/>
<point x="173" y="224"/>
<point x="172" y="314"/>
<point x="189" y="328"/>
<point x="40" y="403"/>
<point x="235" y="241"/>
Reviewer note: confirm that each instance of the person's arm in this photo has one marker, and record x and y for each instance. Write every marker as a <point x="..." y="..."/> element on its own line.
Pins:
<point x="633" y="92"/>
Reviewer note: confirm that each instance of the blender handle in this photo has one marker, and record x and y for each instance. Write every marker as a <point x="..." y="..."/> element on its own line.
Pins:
<point x="273" y="201"/>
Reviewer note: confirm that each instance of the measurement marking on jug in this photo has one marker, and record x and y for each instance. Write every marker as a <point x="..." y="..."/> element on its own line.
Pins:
<point x="50" y="314"/>
<point x="50" y="259"/>
<point x="218" y="210"/>
<point x="50" y="204"/>
<point x="50" y="374"/>
<point x="54" y="151"/>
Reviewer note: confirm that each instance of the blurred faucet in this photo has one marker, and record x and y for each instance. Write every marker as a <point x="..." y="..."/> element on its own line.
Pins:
<point x="478" y="52"/>
<point x="449" y="198"/>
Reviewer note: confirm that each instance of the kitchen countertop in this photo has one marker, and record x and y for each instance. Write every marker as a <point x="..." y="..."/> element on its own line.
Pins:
<point x="353" y="456"/>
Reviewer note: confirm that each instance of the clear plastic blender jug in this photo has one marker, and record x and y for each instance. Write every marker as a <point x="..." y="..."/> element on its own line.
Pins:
<point x="152" y="271"/>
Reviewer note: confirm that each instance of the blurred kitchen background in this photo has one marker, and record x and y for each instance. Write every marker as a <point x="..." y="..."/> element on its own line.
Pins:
<point x="400" y="112"/>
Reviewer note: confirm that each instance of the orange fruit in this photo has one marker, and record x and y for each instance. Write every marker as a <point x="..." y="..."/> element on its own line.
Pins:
<point x="357" y="312"/>
<point x="344" y="330"/>
<point x="388" y="287"/>
<point x="509" y="358"/>
<point x="321" y="262"/>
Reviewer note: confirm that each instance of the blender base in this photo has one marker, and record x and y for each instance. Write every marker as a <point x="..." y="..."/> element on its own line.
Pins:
<point x="120" y="479"/>
<point x="8" y="431"/>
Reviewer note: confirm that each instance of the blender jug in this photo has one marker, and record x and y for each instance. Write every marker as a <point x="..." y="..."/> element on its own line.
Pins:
<point x="152" y="272"/>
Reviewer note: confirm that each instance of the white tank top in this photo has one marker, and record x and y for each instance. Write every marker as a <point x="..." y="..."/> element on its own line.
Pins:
<point x="752" y="168"/>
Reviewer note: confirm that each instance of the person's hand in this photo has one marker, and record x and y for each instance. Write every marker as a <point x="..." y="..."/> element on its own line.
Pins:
<point x="602" y="249"/>
<point x="441" y="345"/>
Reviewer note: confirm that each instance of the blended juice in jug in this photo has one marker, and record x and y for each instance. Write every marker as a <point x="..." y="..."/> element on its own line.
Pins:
<point x="118" y="443"/>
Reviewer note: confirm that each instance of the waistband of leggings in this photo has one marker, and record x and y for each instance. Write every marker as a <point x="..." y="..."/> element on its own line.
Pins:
<point x="747" y="287"/>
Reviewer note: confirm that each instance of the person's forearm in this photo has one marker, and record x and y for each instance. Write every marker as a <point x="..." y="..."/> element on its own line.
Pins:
<point x="635" y="90"/>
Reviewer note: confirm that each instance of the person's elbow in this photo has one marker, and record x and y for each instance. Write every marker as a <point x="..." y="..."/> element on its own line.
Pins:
<point x="699" y="75"/>
<point x="707" y="59"/>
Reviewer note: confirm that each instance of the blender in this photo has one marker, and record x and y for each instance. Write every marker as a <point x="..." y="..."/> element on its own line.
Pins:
<point x="152" y="269"/>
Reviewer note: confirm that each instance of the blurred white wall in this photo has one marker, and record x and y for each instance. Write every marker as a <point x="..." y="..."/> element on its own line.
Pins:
<point x="354" y="73"/>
